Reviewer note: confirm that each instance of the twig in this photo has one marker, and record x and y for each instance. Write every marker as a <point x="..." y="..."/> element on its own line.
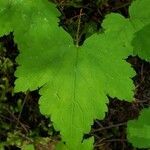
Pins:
<point x="78" y="28"/>
<point x="121" y="6"/>
<point x="116" y="140"/>
<point x="108" y="127"/>
<point x="21" y="124"/>
<point x="24" y="101"/>
<point x="111" y="140"/>
<point x="25" y="137"/>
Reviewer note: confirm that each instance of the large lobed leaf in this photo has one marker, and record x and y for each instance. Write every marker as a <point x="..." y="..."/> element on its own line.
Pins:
<point x="75" y="81"/>
<point x="139" y="130"/>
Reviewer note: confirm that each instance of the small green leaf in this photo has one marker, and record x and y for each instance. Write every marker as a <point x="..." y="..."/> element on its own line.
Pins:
<point x="141" y="21"/>
<point x="138" y="131"/>
<point x="141" y="43"/>
<point x="140" y="13"/>
<point x="122" y="28"/>
<point x="28" y="147"/>
<point x="2" y="146"/>
<point x="126" y="27"/>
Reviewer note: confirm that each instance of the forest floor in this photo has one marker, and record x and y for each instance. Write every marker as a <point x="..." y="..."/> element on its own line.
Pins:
<point x="20" y="117"/>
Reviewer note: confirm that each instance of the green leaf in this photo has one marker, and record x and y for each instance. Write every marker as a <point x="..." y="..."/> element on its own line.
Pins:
<point x="141" y="43"/>
<point x="141" y="21"/>
<point x="138" y="131"/>
<point x="21" y="16"/>
<point x="79" y="80"/>
<point x="85" y="146"/>
<point x="28" y="147"/>
<point x="2" y="146"/>
<point x="139" y="13"/>
<point x="122" y="28"/>
<point x="74" y="81"/>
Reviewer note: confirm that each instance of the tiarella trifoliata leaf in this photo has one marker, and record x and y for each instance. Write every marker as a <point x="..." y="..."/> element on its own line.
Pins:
<point x="74" y="81"/>
<point x="138" y="131"/>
